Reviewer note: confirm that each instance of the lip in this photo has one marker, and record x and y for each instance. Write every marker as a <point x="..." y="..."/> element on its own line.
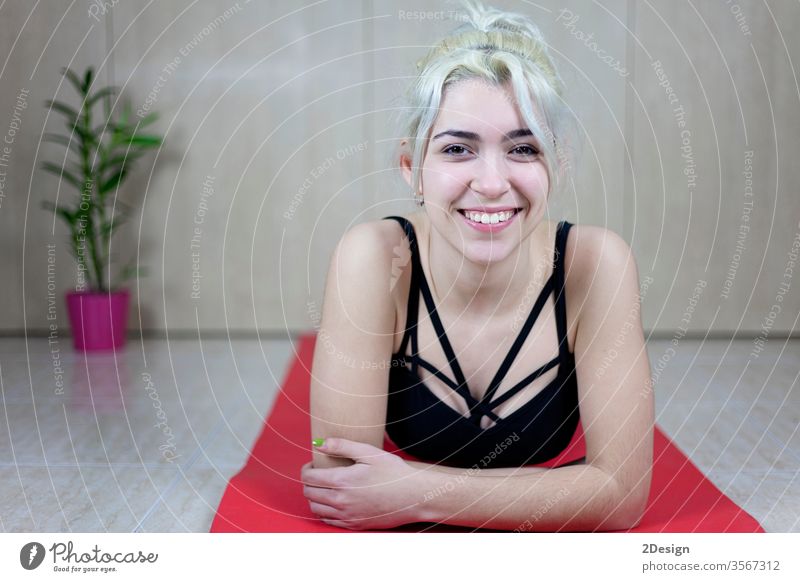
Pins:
<point x="493" y="228"/>
<point x="490" y="210"/>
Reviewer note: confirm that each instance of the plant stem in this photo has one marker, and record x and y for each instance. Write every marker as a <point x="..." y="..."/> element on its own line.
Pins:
<point x="88" y="193"/>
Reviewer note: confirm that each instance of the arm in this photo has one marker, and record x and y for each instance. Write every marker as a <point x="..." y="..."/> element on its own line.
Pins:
<point x="350" y="371"/>
<point x="497" y="472"/>
<point x="576" y="498"/>
<point x="610" y="491"/>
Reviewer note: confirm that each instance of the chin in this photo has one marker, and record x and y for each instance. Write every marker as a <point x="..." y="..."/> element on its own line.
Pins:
<point x="488" y="252"/>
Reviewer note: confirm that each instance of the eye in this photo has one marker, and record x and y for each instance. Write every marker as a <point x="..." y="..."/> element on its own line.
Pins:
<point x="525" y="150"/>
<point x="451" y="149"/>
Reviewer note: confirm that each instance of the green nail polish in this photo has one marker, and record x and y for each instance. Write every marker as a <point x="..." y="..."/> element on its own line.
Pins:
<point x="318" y="442"/>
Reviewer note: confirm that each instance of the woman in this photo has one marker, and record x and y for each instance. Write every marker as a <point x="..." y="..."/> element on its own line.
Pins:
<point x="527" y="325"/>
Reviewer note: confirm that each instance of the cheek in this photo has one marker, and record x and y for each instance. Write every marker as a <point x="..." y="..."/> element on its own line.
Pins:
<point x="543" y="181"/>
<point x="444" y="183"/>
<point x="536" y="183"/>
<point x="537" y="175"/>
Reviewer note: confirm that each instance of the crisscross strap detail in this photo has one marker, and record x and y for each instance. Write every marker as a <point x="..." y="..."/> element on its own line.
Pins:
<point x="514" y="351"/>
<point x="478" y="408"/>
<point x="419" y="283"/>
<point x="556" y="280"/>
<point x="484" y="406"/>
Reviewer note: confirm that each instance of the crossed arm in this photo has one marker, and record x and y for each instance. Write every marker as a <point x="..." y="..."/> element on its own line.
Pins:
<point x="376" y="490"/>
<point x="571" y="498"/>
<point x="608" y="492"/>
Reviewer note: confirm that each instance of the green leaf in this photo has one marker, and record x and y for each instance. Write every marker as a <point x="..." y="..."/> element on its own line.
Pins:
<point x="100" y="129"/>
<point x="107" y="228"/>
<point x="104" y="92"/>
<point x="87" y="137"/>
<point x="74" y="79"/>
<point x="123" y="118"/>
<point x="65" y="213"/>
<point x="63" y="173"/>
<point x="73" y="144"/>
<point x="76" y="166"/>
<point x="62" y="108"/>
<point x="87" y="80"/>
<point x="113" y="181"/>
<point x="145" y="141"/>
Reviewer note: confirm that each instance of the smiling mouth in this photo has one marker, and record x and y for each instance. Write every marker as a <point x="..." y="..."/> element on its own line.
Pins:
<point x="487" y="218"/>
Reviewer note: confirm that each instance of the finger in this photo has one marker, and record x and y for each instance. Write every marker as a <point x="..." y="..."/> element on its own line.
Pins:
<point x="324" y="511"/>
<point x="320" y="495"/>
<point x="335" y="523"/>
<point x="304" y="472"/>
<point x="358" y="451"/>
<point x="323" y="476"/>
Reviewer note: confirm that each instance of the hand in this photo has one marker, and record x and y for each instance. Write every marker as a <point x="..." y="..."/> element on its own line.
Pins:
<point x="379" y="491"/>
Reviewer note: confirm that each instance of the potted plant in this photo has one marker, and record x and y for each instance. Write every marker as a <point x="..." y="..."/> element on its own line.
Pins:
<point x="97" y="160"/>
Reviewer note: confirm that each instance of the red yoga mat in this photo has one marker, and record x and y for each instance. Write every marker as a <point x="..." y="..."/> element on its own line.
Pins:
<point x="267" y="494"/>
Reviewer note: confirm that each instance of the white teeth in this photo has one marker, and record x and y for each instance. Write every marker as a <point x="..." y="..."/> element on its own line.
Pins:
<point x="485" y="218"/>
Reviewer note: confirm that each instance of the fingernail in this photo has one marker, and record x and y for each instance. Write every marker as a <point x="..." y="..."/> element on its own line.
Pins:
<point x="318" y="442"/>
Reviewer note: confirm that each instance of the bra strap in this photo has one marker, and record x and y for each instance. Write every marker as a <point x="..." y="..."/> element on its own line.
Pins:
<point x="544" y="294"/>
<point x="413" y="293"/>
<point x="560" y="289"/>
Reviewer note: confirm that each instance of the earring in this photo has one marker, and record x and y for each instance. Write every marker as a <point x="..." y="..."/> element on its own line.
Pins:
<point x="418" y="198"/>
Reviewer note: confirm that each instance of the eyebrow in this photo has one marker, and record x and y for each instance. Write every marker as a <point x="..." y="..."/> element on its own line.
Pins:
<point x="523" y="132"/>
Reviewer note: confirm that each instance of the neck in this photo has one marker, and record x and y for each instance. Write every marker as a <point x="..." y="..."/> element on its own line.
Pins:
<point x="494" y="289"/>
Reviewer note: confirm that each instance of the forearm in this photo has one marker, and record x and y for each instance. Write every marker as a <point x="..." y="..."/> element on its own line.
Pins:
<point x="498" y="472"/>
<point x="575" y="498"/>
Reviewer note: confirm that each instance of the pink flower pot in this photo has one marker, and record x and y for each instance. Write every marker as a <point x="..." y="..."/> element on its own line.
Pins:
<point x="99" y="320"/>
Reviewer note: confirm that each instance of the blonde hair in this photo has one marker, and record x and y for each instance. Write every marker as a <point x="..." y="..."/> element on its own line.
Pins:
<point x="498" y="47"/>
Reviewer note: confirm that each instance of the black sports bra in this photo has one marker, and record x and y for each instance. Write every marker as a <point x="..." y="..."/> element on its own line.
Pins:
<point x="420" y="423"/>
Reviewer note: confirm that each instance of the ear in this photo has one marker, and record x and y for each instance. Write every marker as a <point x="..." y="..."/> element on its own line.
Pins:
<point x="405" y="163"/>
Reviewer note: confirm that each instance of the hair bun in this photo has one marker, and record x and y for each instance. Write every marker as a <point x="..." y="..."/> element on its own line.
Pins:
<point x="486" y="18"/>
<point x="489" y="29"/>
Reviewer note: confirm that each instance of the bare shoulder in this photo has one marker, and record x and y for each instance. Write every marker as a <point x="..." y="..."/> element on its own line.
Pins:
<point x="600" y="264"/>
<point x="363" y="259"/>
<point x="371" y="244"/>
<point x="590" y="246"/>
<point x="359" y="312"/>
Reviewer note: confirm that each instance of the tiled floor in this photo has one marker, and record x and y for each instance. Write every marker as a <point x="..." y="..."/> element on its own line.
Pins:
<point x="146" y="441"/>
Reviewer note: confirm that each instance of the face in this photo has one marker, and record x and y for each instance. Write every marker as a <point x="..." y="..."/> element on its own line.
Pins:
<point x="482" y="157"/>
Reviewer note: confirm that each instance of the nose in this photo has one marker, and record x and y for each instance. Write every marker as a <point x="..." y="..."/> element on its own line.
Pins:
<point x="491" y="177"/>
